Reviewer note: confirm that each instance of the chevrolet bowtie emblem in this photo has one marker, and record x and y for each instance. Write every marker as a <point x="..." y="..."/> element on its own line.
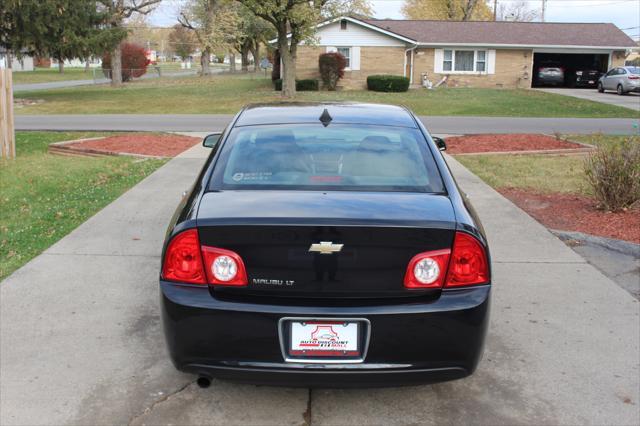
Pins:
<point x="325" y="247"/>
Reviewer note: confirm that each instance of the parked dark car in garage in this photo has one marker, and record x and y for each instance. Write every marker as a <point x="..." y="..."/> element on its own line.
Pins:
<point x="325" y="245"/>
<point x="550" y="74"/>
<point x="587" y="77"/>
<point x="621" y="79"/>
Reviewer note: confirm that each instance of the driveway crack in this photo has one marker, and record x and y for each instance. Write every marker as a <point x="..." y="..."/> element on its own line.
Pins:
<point x="159" y="401"/>
<point x="307" y="414"/>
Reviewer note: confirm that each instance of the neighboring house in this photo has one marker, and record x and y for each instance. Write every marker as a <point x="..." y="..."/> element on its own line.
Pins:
<point x="475" y="54"/>
<point x="634" y="56"/>
<point x="25" y="63"/>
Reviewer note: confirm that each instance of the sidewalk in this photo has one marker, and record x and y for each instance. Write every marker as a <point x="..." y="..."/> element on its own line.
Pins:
<point x="81" y="338"/>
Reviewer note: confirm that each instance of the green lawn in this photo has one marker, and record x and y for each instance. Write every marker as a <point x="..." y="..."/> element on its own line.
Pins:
<point x="542" y="173"/>
<point x="227" y="94"/>
<point x="43" y="197"/>
<point x="45" y="75"/>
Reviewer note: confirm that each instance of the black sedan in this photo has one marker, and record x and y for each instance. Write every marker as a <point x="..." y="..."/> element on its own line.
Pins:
<point x="325" y="245"/>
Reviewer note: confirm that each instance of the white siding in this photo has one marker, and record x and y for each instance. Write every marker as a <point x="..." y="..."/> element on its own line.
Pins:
<point x="354" y="35"/>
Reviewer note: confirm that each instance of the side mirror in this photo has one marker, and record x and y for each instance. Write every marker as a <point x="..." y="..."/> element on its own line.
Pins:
<point x="210" y="141"/>
<point x="442" y="146"/>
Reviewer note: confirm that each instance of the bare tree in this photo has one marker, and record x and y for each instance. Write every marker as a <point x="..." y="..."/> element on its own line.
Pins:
<point x="517" y="11"/>
<point x="214" y="23"/>
<point x="118" y="11"/>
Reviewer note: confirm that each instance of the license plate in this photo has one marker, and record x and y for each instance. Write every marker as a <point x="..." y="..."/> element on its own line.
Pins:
<point x="324" y="339"/>
<point x="591" y="81"/>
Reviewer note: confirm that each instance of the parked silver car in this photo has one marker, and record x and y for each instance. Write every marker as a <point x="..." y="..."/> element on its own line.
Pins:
<point x="621" y="79"/>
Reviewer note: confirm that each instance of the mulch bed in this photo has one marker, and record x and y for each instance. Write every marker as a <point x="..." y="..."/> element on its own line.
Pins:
<point x="570" y="212"/>
<point x="506" y="143"/>
<point x="156" y="145"/>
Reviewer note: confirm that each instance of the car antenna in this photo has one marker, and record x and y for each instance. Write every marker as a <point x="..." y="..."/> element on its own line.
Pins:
<point x="325" y="118"/>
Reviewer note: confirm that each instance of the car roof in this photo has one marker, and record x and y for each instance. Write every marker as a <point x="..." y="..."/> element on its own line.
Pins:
<point x="340" y="113"/>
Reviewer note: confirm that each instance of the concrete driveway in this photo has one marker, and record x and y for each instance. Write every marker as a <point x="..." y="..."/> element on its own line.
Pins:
<point x="81" y="338"/>
<point x="630" y="100"/>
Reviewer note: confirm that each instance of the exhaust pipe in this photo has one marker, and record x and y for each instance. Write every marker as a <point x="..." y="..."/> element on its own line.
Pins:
<point x="204" y="382"/>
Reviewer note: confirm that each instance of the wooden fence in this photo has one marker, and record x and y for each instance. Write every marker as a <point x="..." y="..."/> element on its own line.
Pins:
<point x="7" y="133"/>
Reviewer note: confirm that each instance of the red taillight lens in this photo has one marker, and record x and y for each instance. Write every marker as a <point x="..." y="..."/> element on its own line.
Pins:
<point x="182" y="260"/>
<point x="224" y="267"/>
<point x="469" y="264"/>
<point x="634" y="77"/>
<point x="427" y="270"/>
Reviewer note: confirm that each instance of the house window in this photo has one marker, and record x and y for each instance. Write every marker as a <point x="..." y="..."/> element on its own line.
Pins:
<point x="346" y="52"/>
<point x="343" y="24"/>
<point x="464" y="60"/>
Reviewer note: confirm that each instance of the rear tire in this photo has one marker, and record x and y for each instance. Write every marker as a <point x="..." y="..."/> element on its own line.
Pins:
<point x="620" y="90"/>
<point x="600" y="88"/>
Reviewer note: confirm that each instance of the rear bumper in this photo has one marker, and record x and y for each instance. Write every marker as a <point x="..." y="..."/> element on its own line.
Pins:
<point x="412" y="343"/>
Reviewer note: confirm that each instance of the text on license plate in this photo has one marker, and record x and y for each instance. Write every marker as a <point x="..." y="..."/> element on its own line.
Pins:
<point x="324" y="338"/>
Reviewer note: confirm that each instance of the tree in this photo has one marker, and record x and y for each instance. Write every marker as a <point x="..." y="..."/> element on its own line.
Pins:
<point x="182" y="41"/>
<point x="295" y="21"/>
<point x="134" y="62"/>
<point x="252" y="32"/>
<point x="447" y="10"/>
<point x="296" y="18"/>
<point x="62" y="29"/>
<point x="117" y="12"/>
<point x="518" y="11"/>
<point x="214" y="24"/>
<point x="356" y="8"/>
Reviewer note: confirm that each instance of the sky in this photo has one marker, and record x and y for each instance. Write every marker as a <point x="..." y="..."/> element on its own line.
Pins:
<point x="623" y="13"/>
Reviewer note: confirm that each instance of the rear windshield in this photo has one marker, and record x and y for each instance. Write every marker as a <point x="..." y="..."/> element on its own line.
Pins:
<point x="634" y="70"/>
<point x="337" y="157"/>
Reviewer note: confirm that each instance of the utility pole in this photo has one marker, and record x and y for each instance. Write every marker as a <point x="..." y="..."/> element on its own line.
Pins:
<point x="495" y="9"/>
<point x="544" y="8"/>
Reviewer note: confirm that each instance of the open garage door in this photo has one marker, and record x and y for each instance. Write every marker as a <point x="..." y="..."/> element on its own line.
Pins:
<point x="559" y="69"/>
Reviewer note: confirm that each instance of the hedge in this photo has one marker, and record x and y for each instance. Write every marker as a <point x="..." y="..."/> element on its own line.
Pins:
<point x="301" y="85"/>
<point x="387" y="83"/>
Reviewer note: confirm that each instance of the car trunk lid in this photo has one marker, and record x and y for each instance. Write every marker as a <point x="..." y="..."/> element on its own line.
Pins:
<point x="361" y="243"/>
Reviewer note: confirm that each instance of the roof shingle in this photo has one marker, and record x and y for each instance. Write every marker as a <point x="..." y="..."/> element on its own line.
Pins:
<point x="507" y="33"/>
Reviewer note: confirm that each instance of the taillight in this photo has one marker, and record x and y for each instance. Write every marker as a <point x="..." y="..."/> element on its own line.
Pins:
<point x="634" y="77"/>
<point x="468" y="264"/>
<point x="182" y="259"/>
<point x="224" y="267"/>
<point x="427" y="270"/>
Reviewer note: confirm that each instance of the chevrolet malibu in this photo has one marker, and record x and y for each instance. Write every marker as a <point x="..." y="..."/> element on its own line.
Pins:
<point x="325" y="245"/>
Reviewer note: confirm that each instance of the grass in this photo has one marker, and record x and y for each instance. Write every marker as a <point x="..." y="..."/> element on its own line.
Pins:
<point x="44" y="197"/>
<point x="227" y="94"/>
<point x="598" y="139"/>
<point x="541" y="173"/>
<point x="45" y="75"/>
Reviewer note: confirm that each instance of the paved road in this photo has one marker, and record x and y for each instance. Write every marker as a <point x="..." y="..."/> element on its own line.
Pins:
<point x="82" y="341"/>
<point x="29" y="87"/>
<point x="631" y="100"/>
<point x="439" y="125"/>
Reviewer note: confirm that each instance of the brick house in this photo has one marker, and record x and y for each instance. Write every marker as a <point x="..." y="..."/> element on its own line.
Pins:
<point x="473" y="54"/>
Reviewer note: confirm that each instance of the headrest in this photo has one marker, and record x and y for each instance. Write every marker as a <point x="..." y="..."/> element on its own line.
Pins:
<point x="275" y="137"/>
<point x="375" y="143"/>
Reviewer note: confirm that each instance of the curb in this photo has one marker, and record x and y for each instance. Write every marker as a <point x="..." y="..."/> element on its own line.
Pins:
<point x="67" y="148"/>
<point x="620" y="246"/>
